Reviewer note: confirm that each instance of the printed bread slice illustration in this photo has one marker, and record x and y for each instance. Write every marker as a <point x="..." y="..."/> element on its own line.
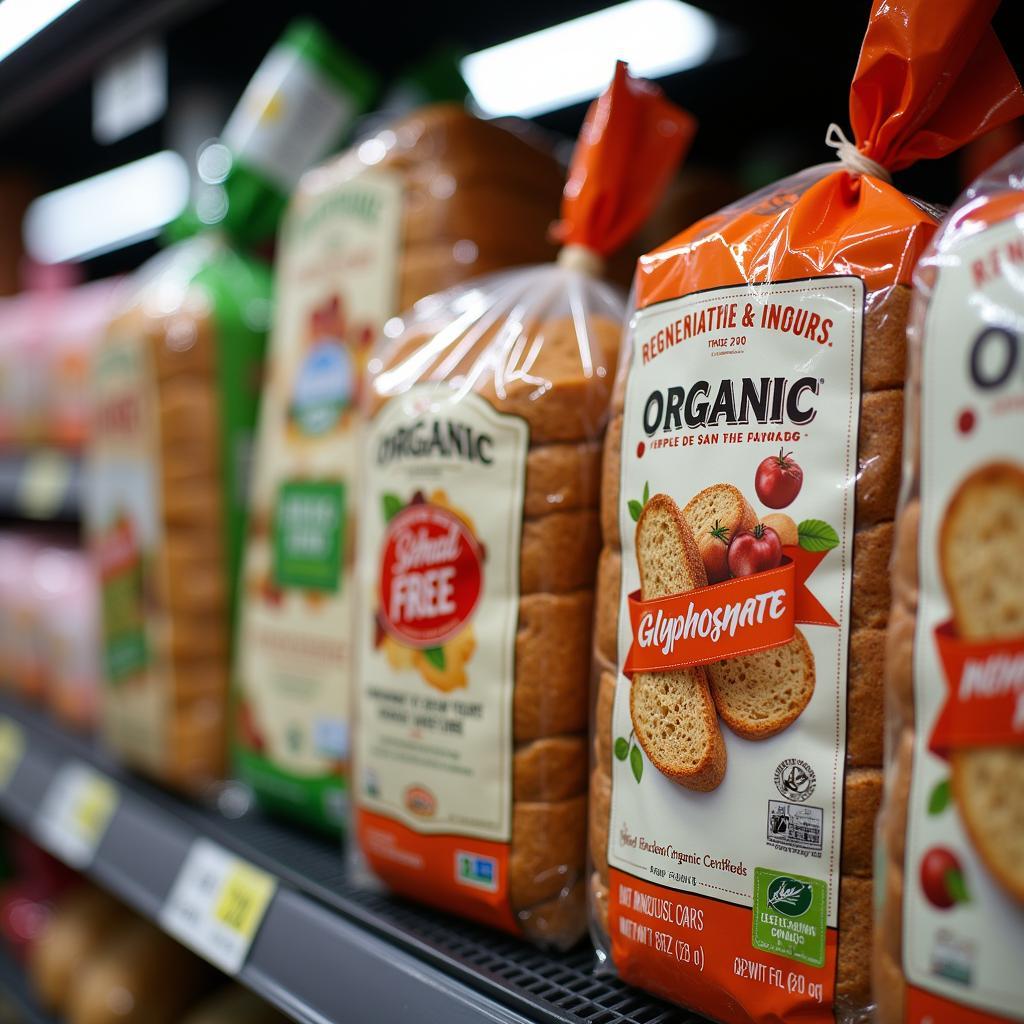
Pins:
<point x="673" y="714"/>
<point x="758" y="695"/>
<point x="715" y="515"/>
<point x="979" y="541"/>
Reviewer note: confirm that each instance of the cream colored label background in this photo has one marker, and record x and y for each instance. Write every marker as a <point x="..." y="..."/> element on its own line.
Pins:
<point x="991" y="924"/>
<point x="123" y="475"/>
<point x="732" y="821"/>
<point x="295" y="656"/>
<point x="470" y="775"/>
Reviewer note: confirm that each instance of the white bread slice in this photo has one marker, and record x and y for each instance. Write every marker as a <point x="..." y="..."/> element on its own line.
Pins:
<point x="672" y="712"/>
<point x="760" y="694"/>
<point x="715" y="515"/>
<point x="988" y="787"/>
<point x="980" y="544"/>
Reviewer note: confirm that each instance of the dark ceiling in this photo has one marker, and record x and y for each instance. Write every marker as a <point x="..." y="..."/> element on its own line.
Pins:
<point x="763" y="104"/>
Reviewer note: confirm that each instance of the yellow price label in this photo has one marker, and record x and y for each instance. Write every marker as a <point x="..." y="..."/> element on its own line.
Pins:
<point x="12" y="749"/>
<point x="76" y="812"/>
<point x="94" y="806"/>
<point x="217" y="904"/>
<point x="243" y="899"/>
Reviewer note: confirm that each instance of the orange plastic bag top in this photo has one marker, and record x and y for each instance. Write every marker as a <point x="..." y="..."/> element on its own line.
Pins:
<point x="748" y="507"/>
<point x="630" y="144"/>
<point x="486" y="406"/>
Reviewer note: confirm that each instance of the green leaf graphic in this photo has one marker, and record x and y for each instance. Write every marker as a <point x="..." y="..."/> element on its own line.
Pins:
<point x="435" y="655"/>
<point x="635" y="508"/>
<point x="956" y="886"/>
<point x="817" y="535"/>
<point x="636" y="762"/>
<point x="621" y="748"/>
<point x="647" y="492"/>
<point x="392" y="506"/>
<point x="938" y="801"/>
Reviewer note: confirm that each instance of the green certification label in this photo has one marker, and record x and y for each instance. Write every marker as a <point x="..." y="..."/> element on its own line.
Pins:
<point x="789" y="916"/>
<point x="308" y="534"/>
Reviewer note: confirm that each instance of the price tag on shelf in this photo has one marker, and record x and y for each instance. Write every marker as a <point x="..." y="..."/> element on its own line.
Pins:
<point x="217" y="904"/>
<point x="75" y="813"/>
<point x="45" y="479"/>
<point x="12" y="748"/>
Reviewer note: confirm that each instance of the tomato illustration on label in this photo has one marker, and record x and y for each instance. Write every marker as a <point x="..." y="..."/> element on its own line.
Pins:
<point x="754" y="551"/>
<point x="431" y="575"/>
<point x="778" y="480"/>
<point x="942" y="878"/>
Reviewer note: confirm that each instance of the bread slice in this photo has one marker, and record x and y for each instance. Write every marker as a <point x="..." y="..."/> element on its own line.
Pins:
<point x="666" y="552"/>
<point x="672" y="712"/>
<point x="980" y="544"/>
<point x="979" y="555"/>
<point x="760" y="694"/>
<point x="715" y="515"/>
<point x="988" y="786"/>
<point x="676" y="726"/>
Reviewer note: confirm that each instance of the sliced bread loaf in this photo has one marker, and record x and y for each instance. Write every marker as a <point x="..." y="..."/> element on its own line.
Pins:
<point x="760" y="694"/>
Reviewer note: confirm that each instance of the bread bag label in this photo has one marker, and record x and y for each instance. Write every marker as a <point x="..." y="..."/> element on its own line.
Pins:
<point x="736" y="514"/>
<point x="336" y="274"/>
<point x="963" y="878"/>
<point x="123" y="512"/>
<point x="445" y="478"/>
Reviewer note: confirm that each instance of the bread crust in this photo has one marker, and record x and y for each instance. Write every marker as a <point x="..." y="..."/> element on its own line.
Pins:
<point x="603" y="708"/>
<point x="552" y="768"/>
<point x="606" y="614"/>
<point x="611" y="469"/>
<point x="879" y="456"/>
<point x="862" y="794"/>
<point x="552" y="665"/>
<point x="558" y="552"/>
<point x="548" y="849"/>
<point x="562" y="478"/>
<point x="600" y="818"/>
<point x="865" y="705"/>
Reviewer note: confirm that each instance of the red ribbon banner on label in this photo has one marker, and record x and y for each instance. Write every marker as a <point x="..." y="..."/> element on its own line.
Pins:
<point x="985" y="704"/>
<point x="724" y="620"/>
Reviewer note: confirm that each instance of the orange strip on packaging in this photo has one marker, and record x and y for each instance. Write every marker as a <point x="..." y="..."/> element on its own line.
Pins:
<point x="460" y="874"/>
<point x="925" y="1008"/>
<point x="725" y="620"/>
<point x="985" y="703"/>
<point x="698" y="951"/>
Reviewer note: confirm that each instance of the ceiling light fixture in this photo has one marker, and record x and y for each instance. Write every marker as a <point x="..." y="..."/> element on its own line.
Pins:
<point x="20" y="20"/>
<point x="574" y="61"/>
<point x="113" y="209"/>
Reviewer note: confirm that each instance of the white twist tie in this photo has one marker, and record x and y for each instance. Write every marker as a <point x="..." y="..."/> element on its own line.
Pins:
<point x="579" y="257"/>
<point x="851" y="157"/>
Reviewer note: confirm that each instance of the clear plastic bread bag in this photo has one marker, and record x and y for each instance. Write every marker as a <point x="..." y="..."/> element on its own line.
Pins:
<point x="751" y="476"/>
<point x="175" y="389"/>
<point x="950" y="883"/>
<point x="486" y="405"/>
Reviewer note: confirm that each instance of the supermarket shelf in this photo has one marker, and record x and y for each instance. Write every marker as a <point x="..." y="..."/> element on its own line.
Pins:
<point x="17" y="1004"/>
<point x="328" y="949"/>
<point x="41" y="485"/>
